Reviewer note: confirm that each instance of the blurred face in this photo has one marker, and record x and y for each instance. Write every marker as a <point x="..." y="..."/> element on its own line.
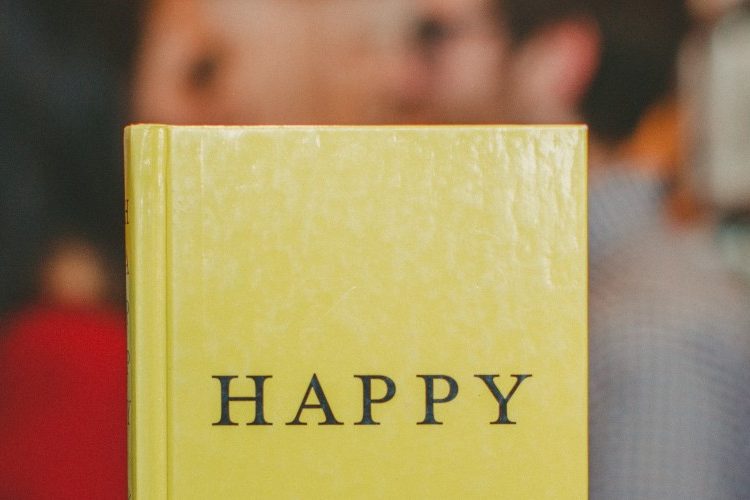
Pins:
<point x="278" y="62"/>
<point x="350" y="62"/>
<point x="478" y="75"/>
<point x="466" y="54"/>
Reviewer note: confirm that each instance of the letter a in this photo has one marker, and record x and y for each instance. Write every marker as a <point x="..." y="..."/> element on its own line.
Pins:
<point x="322" y="404"/>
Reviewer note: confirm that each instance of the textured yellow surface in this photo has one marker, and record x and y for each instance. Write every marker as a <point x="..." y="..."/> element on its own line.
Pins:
<point x="293" y="251"/>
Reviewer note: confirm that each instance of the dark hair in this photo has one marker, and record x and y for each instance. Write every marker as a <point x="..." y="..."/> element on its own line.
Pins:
<point x="640" y="41"/>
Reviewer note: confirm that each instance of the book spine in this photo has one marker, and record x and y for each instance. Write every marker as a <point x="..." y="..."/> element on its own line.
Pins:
<point x="146" y="157"/>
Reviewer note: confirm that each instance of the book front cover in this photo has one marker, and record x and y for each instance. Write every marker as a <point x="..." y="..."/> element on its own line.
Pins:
<point x="357" y="312"/>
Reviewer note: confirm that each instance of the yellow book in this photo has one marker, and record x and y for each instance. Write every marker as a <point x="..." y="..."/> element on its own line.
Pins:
<point x="357" y="312"/>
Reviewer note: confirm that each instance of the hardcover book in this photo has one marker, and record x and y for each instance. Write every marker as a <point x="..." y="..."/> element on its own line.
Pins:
<point x="357" y="312"/>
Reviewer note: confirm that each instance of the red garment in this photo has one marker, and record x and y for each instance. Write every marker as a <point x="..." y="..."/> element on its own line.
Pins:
<point x="63" y="405"/>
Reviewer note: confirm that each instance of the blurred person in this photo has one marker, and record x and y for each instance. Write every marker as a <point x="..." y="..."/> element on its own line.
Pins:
<point x="62" y="328"/>
<point x="669" y="329"/>
<point x="278" y="62"/>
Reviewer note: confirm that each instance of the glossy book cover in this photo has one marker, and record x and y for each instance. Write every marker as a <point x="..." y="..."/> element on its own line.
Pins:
<point x="357" y="312"/>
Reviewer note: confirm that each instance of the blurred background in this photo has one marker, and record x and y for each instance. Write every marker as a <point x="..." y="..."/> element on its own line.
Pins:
<point x="74" y="73"/>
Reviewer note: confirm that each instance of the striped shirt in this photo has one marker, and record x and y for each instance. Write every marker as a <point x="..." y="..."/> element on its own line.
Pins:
<point x="669" y="368"/>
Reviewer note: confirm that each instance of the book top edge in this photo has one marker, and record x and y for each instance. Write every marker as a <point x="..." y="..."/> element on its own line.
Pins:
<point x="496" y="127"/>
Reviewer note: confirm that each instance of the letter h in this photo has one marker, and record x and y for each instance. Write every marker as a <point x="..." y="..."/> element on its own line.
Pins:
<point x="224" y="380"/>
